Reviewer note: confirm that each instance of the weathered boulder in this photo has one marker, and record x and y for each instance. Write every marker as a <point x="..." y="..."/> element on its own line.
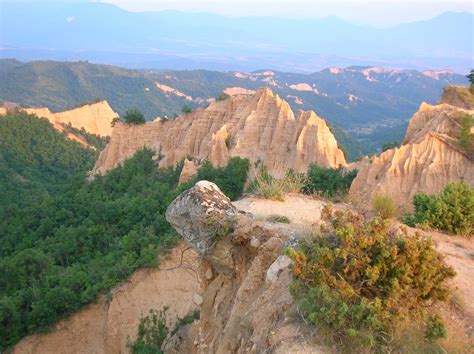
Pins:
<point x="202" y="216"/>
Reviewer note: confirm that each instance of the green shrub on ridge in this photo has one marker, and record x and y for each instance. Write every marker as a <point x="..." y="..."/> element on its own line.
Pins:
<point x="360" y="283"/>
<point x="452" y="210"/>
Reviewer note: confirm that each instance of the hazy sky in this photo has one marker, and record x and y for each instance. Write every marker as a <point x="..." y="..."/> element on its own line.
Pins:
<point x="373" y="12"/>
<point x="386" y="12"/>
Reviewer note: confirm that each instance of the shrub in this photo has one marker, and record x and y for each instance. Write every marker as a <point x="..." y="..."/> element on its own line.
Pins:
<point x="435" y="328"/>
<point x="361" y="282"/>
<point x="384" y="205"/>
<point x="328" y="181"/>
<point x="229" y="141"/>
<point x="222" y="96"/>
<point x="452" y="210"/>
<point x="230" y="179"/>
<point x="134" y="116"/>
<point x="186" y="109"/>
<point x="152" y="333"/>
<point x="466" y="138"/>
<point x="188" y="319"/>
<point x="390" y="145"/>
<point x="275" y="188"/>
<point x="114" y="121"/>
<point x="278" y="219"/>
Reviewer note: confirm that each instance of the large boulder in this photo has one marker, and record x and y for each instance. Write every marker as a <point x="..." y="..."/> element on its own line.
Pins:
<point x="202" y="216"/>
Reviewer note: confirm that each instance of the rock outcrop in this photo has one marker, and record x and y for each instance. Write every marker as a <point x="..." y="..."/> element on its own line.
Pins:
<point x="246" y="298"/>
<point x="201" y="214"/>
<point x="95" y="118"/>
<point x="260" y="127"/>
<point x="459" y="96"/>
<point x="429" y="158"/>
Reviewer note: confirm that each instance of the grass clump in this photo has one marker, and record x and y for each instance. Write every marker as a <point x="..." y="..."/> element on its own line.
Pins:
<point x="275" y="188"/>
<point x="360" y="283"/>
<point x="452" y="210"/>
<point x="278" y="219"/>
<point x="384" y="205"/>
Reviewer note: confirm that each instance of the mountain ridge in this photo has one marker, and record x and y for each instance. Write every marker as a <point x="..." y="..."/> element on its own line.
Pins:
<point x="372" y="108"/>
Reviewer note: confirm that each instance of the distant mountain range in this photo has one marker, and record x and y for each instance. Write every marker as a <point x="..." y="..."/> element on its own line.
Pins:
<point x="370" y="104"/>
<point x="176" y="40"/>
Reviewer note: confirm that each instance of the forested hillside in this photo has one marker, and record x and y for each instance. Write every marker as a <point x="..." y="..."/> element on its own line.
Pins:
<point x="63" y="239"/>
<point x="36" y="160"/>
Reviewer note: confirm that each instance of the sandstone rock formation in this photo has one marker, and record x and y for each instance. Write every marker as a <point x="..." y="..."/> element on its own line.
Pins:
<point x="260" y="127"/>
<point x="95" y="118"/>
<point x="429" y="158"/>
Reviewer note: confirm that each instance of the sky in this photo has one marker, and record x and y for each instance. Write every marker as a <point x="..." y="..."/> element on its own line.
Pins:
<point x="378" y="13"/>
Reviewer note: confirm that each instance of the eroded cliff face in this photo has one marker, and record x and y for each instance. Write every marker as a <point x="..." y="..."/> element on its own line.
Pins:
<point x="95" y="118"/>
<point x="260" y="127"/>
<point x="429" y="158"/>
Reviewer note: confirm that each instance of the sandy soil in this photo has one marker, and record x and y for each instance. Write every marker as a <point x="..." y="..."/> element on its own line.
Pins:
<point x="300" y="209"/>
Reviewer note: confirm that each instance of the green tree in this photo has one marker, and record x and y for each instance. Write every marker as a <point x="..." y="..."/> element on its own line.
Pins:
<point x="222" y="96"/>
<point x="390" y="145"/>
<point x="186" y="109"/>
<point x="115" y="121"/>
<point x="328" y="181"/>
<point x="470" y="76"/>
<point x="134" y="116"/>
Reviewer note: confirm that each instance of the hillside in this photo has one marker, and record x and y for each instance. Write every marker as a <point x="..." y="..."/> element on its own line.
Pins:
<point x="372" y="105"/>
<point x="242" y="288"/>
<point x="36" y="161"/>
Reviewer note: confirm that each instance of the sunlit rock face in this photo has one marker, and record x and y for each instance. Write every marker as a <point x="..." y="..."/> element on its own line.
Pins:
<point x="429" y="158"/>
<point x="261" y="127"/>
